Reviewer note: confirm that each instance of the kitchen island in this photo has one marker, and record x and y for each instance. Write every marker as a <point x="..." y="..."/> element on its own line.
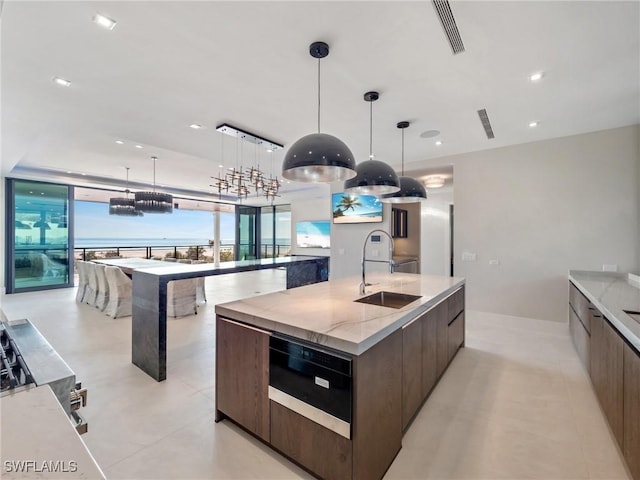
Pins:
<point x="150" y="280"/>
<point x="380" y="365"/>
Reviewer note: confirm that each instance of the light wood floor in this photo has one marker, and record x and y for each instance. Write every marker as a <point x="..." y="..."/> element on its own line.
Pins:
<point x="514" y="404"/>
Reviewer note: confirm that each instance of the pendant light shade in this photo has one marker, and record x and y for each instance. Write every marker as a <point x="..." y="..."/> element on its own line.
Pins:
<point x="372" y="176"/>
<point x="154" y="202"/>
<point x="124" y="206"/>
<point x="411" y="190"/>
<point x="318" y="157"/>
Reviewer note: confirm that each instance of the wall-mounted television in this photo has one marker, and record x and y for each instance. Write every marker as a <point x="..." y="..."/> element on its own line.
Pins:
<point x="353" y="208"/>
<point x="316" y="234"/>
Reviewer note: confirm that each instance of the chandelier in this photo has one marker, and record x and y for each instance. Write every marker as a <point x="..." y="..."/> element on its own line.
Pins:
<point x="243" y="182"/>
<point x="154" y="202"/>
<point x="124" y="206"/>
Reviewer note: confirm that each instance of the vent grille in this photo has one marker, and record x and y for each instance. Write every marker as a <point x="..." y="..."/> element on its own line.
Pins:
<point x="443" y="9"/>
<point x="486" y="124"/>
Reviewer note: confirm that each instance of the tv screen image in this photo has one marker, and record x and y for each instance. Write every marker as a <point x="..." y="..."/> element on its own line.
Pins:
<point x="354" y="208"/>
<point x="315" y="234"/>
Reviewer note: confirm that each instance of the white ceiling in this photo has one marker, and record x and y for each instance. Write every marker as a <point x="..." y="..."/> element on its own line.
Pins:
<point x="169" y="64"/>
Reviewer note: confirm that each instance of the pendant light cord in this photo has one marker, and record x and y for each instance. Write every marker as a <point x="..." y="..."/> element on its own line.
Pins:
<point x="403" y="152"/>
<point x="154" y="172"/>
<point x="370" y="130"/>
<point x="127" y="190"/>
<point x="318" y="95"/>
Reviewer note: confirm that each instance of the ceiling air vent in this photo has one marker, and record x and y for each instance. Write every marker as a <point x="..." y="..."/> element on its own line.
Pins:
<point x="443" y="9"/>
<point x="486" y="124"/>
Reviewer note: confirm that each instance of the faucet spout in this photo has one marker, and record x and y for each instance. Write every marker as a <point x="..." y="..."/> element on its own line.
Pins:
<point x="364" y="283"/>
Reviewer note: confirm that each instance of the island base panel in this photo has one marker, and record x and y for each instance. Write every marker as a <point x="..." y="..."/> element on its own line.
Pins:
<point x="316" y="448"/>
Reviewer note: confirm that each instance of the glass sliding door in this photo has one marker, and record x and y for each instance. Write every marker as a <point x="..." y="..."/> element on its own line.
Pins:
<point x="267" y="238"/>
<point x="282" y="226"/>
<point x="247" y="232"/>
<point x="39" y="229"/>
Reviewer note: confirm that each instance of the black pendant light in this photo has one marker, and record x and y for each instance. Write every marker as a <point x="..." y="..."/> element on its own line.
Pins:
<point x="124" y="206"/>
<point x="373" y="177"/>
<point x="154" y="202"/>
<point x="411" y="190"/>
<point x="318" y="157"/>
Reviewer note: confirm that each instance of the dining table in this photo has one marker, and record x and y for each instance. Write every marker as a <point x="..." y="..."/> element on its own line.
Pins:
<point x="149" y="295"/>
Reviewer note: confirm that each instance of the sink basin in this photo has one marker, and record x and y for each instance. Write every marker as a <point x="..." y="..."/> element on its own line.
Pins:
<point x="633" y="314"/>
<point x="389" y="299"/>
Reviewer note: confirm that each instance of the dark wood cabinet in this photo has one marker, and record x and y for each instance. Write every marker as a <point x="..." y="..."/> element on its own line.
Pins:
<point x="631" y="394"/>
<point x="580" y="338"/>
<point x="430" y="323"/>
<point x="612" y="379"/>
<point x="242" y="375"/>
<point x="455" y="335"/>
<point x="399" y="219"/>
<point x="441" y="317"/>
<point x="412" y="391"/>
<point x="319" y="449"/>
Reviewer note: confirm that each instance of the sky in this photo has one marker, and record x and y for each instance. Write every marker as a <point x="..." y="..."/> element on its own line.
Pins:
<point x="92" y="220"/>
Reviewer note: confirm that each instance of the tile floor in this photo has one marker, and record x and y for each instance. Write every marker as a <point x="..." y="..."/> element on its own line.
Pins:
<point x="514" y="404"/>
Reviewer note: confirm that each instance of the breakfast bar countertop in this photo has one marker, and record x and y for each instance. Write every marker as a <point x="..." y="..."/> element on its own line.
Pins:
<point x="612" y="294"/>
<point x="326" y="313"/>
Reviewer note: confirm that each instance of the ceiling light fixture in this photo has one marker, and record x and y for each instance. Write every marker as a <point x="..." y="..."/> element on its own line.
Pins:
<point x="138" y="146"/>
<point x="438" y="142"/>
<point x="411" y="190"/>
<point x="195" y="126"/>
<point x="103" y="21"/>
<point x="318" y="157"/>
<point x="533" y="124"/>
<point x="154" y="202"/>
<point x="434" y="181"/>
<point x="535" y="77"/>
<point x="372" y="176"/>
<point x="124" y="206"/>
<point x="62" y="81"/>
<point x="119" y="142"/>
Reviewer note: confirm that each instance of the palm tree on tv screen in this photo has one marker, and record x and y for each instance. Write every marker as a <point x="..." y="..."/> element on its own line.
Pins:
<point x="347" y="202"/>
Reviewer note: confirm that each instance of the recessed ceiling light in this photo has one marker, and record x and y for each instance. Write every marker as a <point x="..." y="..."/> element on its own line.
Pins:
<point x="533" y="124"/>
<point x="220" y="166"/>
<point x="138" y="146"/>
<point x="119" y="142"/>
<point x="84" y="174"/>
<point x="438" y="142"/>
<point x="536" y="77"/>
<point x="30" y="191"/>
<point x="269" y="150"/>
<point x="104" y="22"/>
<point x="62" y="81"/>
<point x="195" y="126"/>
<point x="68" y="171"/>
<point x="430" y="134"/>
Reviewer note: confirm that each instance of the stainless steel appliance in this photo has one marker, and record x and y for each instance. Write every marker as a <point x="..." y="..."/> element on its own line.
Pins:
<point x="29" y="361"/>
<point x="314" y="381"/>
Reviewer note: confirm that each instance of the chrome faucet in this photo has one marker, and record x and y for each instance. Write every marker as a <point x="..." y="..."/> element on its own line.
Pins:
<point x="364" y="283"/>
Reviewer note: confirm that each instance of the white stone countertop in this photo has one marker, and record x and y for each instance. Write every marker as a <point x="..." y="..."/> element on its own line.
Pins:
<point x="325" y="313"/>
<point x="612" y="293"/>
<point x="39" y="440"/>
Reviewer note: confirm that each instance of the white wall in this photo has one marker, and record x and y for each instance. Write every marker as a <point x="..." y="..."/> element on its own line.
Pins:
<point x="318" y="208"/>
<point x="541" y="209"/>
<point x="347" y="240"/>
<point x="435" y="245"/>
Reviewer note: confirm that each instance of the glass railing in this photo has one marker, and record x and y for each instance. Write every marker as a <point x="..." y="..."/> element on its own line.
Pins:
<point x="160" y="252"/>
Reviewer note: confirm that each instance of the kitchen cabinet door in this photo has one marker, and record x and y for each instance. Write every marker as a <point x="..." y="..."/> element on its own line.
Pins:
<point x="411" y="369"/>
<point x="631" y="443"/>
<point x="612" y="380"/>
<point x="242" y="375"/>
<point x="597" y="354"/>
<point x="441" y="316"/>
<point x="455" y="335"/>
<point x="580" y="338"/>
<point x="430" y="323"/>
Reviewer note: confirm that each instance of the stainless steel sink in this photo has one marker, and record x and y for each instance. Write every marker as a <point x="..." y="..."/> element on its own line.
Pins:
<point x="633" y="314"/>
<point x="389" y="299"/>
